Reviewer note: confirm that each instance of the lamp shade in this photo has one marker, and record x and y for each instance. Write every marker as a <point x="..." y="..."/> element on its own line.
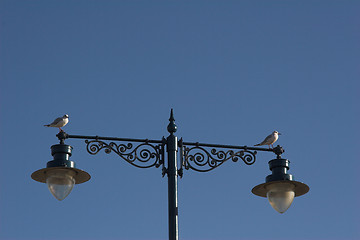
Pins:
<point x="60" y="182"/>
<point x="280" y="187"/>
<point x="280" y="195"/>
<point x="61" y="174"/>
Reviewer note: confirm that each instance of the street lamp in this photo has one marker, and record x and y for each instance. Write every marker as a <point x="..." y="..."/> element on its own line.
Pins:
<point x="280" y="187"/>
<point x="61" y="174"/>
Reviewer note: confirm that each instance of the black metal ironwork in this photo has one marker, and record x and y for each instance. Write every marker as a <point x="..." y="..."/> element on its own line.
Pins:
<point x="204" y="157"/>
<point x="144" y="155"/>
<point x="198" y="158"/>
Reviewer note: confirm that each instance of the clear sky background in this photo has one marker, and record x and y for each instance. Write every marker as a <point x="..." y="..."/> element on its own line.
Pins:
<point x="234" y="71"/>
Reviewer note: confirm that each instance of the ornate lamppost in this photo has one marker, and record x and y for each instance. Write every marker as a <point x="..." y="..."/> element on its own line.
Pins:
<point x="61" y="174"/>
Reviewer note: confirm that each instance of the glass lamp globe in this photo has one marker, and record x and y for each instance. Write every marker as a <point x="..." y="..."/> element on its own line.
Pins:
<point x="60" y="182"/>
<point x="280" y="195"/>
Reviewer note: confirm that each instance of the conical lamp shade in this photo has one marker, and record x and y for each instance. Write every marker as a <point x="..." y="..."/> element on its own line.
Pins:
<point x="280" y="195"/>
<point x="60" y="182"/>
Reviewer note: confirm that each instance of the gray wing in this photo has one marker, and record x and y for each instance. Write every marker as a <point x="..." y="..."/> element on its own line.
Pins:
<point x="267" y="139"/>
<point x="56" y="121"/>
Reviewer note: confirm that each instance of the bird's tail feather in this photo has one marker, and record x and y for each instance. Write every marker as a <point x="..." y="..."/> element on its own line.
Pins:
<point x="257" y="144"/>
<point x="47" y="125"/>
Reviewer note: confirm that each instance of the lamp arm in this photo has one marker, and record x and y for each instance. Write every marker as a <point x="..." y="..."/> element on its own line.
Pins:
<point x="198" y="156"/>
<point x="144" y="153"/>
<point x="201" y="157"/>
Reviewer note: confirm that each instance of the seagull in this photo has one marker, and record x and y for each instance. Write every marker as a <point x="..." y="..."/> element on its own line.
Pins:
<point x="270" y="140"/>
<point x="59" y="122"/>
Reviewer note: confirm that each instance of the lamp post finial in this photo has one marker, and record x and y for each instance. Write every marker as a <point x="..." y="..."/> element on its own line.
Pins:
<point x="172" y="126"/>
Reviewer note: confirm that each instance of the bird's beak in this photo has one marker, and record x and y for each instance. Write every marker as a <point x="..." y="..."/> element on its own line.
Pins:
<point x="279" y="133"/>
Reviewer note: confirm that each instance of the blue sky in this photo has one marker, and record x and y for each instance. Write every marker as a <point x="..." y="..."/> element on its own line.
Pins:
<point x="233" y="71"/>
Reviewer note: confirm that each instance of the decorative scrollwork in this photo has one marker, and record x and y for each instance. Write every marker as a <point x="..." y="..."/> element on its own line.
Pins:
<point x="144" y="155"/>
<point x="199" y="159"/>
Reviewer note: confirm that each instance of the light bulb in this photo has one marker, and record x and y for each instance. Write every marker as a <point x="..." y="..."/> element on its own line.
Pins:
<point x="60" y="182"/>
<point x="280" y="195"/>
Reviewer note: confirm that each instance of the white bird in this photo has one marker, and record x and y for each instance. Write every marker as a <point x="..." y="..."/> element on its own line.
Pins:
<point x="270" y="140"/>
<point x="59" y="122"/>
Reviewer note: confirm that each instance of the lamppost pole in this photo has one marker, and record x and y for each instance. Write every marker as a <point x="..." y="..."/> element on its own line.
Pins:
<point x="172" y="148"/>
<point x="61" y="174"/>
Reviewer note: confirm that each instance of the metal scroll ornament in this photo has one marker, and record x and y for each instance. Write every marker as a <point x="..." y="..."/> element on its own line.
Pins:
<point x="199" y="159"/>
<point x="144" y="155"/>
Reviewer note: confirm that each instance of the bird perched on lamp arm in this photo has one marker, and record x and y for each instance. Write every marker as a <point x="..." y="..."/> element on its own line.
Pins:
<point x="59" y="122"/>
<point x="270" y="140"/>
